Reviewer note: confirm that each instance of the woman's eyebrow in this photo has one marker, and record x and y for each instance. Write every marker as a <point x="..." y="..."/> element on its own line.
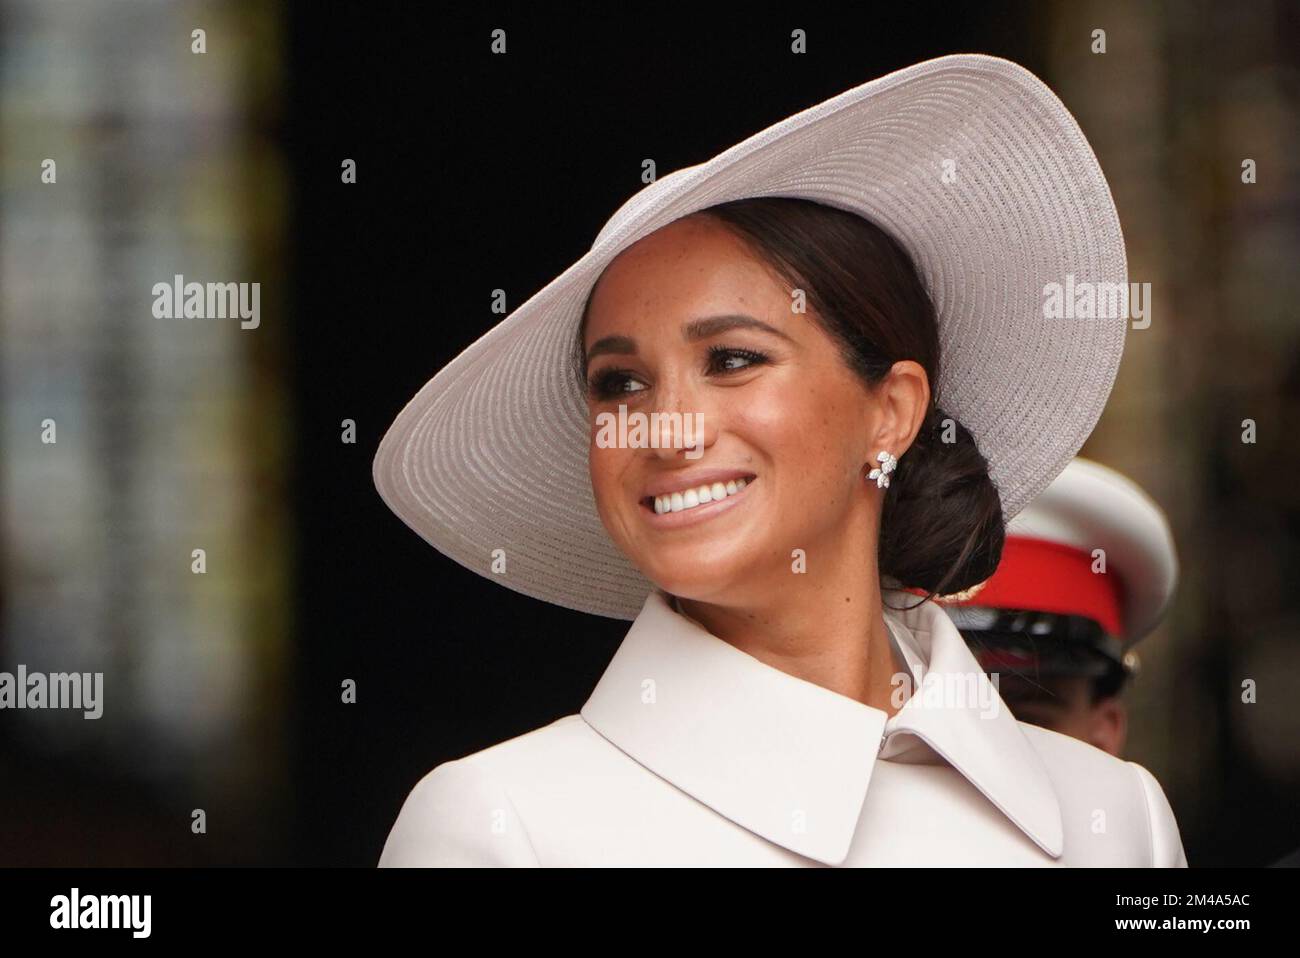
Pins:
<point x="621" y="345"/>
<point x="693" y="331"/>
<point x="712" y="325"/>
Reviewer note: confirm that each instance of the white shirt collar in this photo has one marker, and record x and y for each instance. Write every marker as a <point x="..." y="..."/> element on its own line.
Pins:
<point x="790" y="760"/>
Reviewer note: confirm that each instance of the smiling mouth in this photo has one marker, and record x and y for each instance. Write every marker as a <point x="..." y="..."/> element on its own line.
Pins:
<point x="693" y="498"/>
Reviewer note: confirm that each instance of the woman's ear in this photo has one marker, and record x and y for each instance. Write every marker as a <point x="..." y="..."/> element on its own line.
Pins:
<point x="903" y="396"/>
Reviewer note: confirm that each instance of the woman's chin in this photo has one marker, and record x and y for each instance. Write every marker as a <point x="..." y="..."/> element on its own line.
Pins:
<point x="698" y="581"/>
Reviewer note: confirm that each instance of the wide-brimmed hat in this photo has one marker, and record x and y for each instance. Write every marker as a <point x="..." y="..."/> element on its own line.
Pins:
<point x="969" y="161"/>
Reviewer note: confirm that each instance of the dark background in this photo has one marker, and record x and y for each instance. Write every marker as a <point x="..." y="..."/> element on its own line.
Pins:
<point x="477" y="172"/>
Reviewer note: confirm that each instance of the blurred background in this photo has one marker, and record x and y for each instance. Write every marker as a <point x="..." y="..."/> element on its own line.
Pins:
<point x="135" y="149"/>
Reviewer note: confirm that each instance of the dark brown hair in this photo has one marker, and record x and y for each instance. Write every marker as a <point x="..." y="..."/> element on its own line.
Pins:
<point x="941" y="527"/>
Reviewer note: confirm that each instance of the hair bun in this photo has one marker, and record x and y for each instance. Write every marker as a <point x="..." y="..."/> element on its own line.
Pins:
<point x="942" y="527"/>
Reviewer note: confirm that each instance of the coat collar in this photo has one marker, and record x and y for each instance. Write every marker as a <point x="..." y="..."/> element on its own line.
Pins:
<point x="790" y="760"/>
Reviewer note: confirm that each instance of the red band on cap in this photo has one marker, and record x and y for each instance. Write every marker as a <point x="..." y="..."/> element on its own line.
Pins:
<point x="1051" y="577"/>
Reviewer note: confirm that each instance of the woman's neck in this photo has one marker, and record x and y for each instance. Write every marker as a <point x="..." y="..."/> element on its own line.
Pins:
<point x="833" y="637"/>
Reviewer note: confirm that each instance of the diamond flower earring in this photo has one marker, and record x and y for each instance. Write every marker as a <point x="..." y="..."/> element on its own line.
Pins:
<point x="888" y="464"/>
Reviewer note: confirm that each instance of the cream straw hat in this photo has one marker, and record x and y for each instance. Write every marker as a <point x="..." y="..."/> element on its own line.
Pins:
<point x="970" y="161"/>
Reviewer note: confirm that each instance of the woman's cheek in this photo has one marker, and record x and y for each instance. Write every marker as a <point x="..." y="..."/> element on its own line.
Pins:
<point x="777" y="421"/>
<point x="609" y="485"/>
<point x="601" y="477"/>
<point x="806" y="442"/>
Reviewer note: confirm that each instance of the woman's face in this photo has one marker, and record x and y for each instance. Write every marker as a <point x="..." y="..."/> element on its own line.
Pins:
<point x="781" y="413"/>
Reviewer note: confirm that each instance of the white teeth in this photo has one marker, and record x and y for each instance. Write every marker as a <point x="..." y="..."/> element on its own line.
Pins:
<point x="677" y="501"/>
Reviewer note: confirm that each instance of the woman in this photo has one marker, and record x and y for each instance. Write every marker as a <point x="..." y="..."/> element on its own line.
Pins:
<point x="850" y="304"/>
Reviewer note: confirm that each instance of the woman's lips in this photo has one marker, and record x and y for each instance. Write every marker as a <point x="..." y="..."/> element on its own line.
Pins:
<point x="701" y="512"/>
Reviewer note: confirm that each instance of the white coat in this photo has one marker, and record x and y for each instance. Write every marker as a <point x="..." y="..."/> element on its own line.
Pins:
<point x="690" y="752"/>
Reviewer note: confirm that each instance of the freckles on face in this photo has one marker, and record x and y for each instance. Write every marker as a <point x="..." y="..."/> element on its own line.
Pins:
<point x="778" y="403"/>
<point x="811" y="422"/>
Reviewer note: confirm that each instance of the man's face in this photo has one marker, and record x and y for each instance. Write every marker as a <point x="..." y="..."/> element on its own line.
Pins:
<point x="1061" y="703"/>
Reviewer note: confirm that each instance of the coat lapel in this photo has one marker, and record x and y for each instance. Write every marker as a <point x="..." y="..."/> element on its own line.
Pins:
<point x="957" y="711"/>
<point x="789" y="760"/>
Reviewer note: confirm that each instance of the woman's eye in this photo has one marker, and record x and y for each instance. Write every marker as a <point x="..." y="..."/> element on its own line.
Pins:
<point x="613" y="382"/>
<point x="727" y="359"/>
<point x="610" y="383"/>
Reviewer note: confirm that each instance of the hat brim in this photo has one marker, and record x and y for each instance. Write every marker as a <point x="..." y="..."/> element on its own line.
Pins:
<point x="970" y="161"/>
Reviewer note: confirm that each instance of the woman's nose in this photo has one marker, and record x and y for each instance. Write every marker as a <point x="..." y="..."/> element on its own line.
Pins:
<point x="681" y="425"/>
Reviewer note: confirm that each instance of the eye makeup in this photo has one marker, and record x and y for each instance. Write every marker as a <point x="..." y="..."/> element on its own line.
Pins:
<point x="608" y="383"/>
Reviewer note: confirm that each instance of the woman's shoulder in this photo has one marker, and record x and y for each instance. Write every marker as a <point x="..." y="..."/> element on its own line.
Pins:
<point x="1110" y="794"/>
<point x="464" y="812"/>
